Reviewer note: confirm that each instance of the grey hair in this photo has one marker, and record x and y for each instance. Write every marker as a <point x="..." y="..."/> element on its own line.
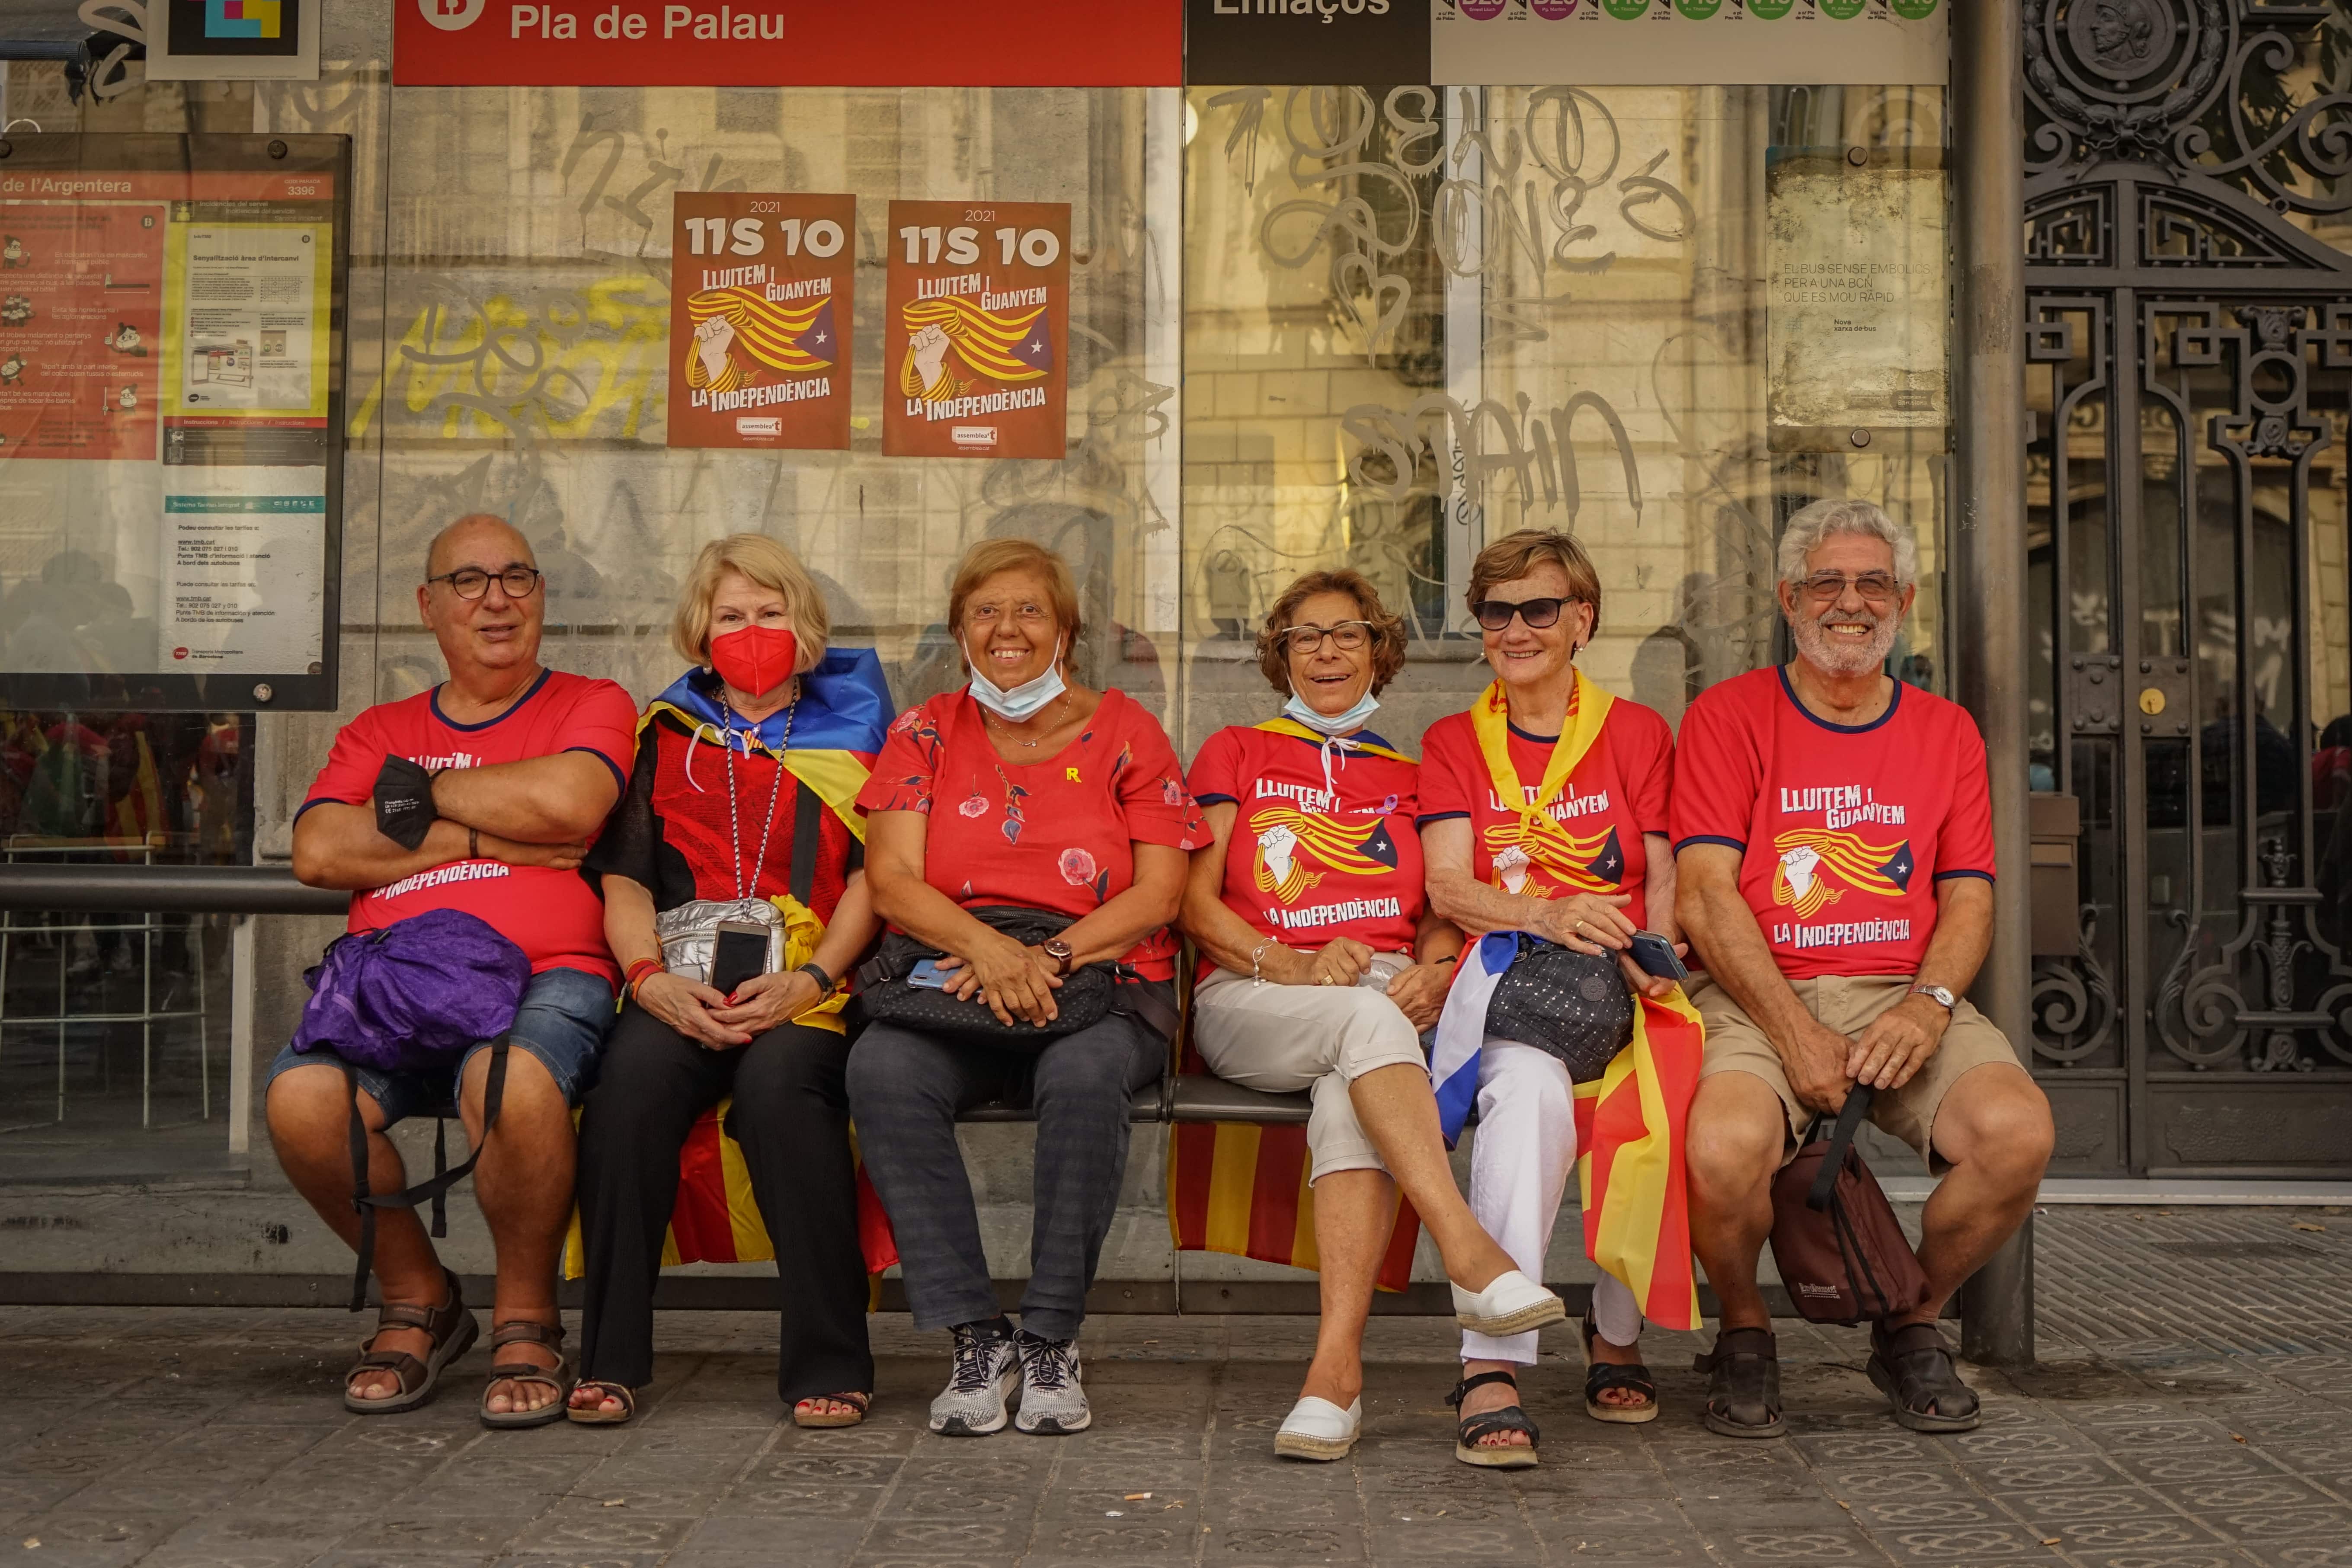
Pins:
<point x="1814" y="523"/>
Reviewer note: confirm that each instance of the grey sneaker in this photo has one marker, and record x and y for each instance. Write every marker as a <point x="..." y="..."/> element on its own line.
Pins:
<point x="986" y="1370"/>
<point x="1052" y="1400"/>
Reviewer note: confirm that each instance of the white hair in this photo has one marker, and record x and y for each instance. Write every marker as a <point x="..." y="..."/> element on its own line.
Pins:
<point x="1811" y="526"/>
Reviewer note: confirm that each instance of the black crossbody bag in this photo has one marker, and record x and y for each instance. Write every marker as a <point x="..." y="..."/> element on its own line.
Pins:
<point x="1088" y="994"/>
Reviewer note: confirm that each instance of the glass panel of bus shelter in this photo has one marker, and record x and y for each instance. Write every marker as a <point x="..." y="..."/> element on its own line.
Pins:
<point x="526" y="367"/>
<point x="1416" y="319"/>
<point x="114" y="1026"/>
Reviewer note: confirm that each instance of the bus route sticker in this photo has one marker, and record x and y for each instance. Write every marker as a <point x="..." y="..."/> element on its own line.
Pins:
<point x="975" y="336"/>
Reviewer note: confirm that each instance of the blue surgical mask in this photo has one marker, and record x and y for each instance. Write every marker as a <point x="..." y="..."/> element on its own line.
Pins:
<point x="1025" y="701"/>
<point x="1331" y="723"/>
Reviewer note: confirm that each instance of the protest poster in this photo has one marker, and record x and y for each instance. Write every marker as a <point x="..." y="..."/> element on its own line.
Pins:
<point x="761" y="294"/>
<point x="976" y="333"/>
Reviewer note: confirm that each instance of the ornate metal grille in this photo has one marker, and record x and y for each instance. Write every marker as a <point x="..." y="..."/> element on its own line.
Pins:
<point x="2189" y="348"/>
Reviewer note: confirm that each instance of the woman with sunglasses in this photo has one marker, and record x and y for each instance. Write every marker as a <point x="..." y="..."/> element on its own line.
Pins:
<point x="1321" y="964"/>
<point x="1543" y="811"/>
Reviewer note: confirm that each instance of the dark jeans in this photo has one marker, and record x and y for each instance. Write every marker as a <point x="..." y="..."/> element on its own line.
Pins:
<point x="906" y="1090"/>
<point x="791" y="1117"/>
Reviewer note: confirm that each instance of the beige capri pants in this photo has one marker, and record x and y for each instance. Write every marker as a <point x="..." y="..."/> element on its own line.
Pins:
<point x="1320" y="1039"/>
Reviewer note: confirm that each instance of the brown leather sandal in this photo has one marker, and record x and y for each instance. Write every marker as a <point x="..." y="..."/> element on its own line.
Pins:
<point x="558" y="1377"/>
<point x="452" y="1331"/>
<point x="861" y="1403"/>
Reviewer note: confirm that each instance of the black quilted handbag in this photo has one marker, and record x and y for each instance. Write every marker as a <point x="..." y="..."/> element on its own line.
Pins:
<point x="1573" y="1005"/>
<point x="1085" y="999"/>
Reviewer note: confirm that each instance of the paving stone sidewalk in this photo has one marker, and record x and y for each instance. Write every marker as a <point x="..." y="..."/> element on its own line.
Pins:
<point x="2193" y="1407"/>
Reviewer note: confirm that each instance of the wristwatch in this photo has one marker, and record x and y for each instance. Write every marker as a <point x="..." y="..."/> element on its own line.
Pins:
<point x="1060" y="951"/>
<point x="1937" y="994"/>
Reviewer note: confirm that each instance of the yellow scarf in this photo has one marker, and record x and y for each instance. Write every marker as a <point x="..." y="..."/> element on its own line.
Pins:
<point x="1490" y="721"/>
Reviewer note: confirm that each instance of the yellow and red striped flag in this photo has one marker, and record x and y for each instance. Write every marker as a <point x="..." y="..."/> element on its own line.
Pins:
<point x="716" y="1220"/>
<point x="1630" y="1133"/>
<point x="1241" y="1188"/>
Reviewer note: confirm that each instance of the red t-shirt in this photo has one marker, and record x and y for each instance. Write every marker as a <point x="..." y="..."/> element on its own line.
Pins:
<point x="1616" y="793"/>
<point x="1057" y="834"/>
<point x="555" y="917"/>
<point x="1308" y="864"/>
<point x="1844" y="830"/>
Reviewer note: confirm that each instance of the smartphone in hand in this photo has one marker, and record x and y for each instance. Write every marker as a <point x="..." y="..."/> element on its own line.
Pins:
<point x="1653" y="954"/>
<point x="741" y="952"/>
<point x="926" y="974"/>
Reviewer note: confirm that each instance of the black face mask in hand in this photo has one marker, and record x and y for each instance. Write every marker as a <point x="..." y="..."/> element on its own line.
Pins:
<point x="404" y="802"/>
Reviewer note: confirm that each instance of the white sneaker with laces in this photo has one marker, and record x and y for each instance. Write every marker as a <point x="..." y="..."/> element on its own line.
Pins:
<point x="1053" y="1400"/>
<point x="985" y="1372"/>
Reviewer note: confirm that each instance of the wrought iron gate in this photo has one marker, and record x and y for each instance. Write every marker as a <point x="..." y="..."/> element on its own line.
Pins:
<point x="2189" y="365"/>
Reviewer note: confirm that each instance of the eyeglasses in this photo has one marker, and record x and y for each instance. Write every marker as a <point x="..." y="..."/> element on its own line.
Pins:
<point x="1495" y="615"/>
<point x="1825" y="588"/>
<point x="1348" y="637"/>
<point x="472" y="581"/>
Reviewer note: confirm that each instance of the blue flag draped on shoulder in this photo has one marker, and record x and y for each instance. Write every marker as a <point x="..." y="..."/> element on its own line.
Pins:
<point x="836" y="727"/>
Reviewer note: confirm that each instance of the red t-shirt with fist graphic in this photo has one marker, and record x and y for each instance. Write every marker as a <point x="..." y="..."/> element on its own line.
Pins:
<point x="1310" y="861"/>
<point x="1843" y="831"/>
<point x="1616" y="793"/>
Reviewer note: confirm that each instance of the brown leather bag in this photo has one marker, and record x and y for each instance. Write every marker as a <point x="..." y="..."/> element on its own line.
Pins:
<point x="1841" y="1251"/>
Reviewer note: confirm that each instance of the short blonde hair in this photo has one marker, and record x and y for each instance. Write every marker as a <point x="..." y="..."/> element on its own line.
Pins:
<point x="1516" y="554"/>
<point x="1388" y="629"/>
<point x="994" y="557"/>
<point x="772" y="567"/>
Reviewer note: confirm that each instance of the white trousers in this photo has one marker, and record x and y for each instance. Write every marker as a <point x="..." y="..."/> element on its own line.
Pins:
<point x="1520" y="1161"/>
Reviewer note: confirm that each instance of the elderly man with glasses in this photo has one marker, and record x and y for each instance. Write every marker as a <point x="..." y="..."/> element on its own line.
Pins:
<point x="1834" y="842"/>
<point x="480" y="794"/>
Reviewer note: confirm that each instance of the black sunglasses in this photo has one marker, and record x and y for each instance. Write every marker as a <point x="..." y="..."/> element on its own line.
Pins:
<point x="1495" y="615"/>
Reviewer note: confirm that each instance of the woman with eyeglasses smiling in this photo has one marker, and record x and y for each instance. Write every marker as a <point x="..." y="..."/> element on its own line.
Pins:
<point x="1321" y="966"/>
<point x="1543" y="813"/>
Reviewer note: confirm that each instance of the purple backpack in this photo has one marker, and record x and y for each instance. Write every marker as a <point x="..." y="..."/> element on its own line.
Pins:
<point x="418" y="993"/>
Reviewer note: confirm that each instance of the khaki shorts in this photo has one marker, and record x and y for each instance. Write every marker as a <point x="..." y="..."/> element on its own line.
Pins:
<point x="1846" y="1004"/>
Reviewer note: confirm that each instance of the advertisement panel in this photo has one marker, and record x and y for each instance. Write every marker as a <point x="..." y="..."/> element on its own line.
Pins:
<point x="787" y="43"/>
<point x="761" y="300"/>
<point x="977" y="331"/>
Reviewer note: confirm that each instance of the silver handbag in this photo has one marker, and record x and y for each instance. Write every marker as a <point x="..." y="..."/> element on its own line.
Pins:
<point x="689" y="933"/>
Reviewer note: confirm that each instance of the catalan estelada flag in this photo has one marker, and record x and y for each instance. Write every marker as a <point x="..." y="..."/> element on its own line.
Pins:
<point x="1007" y="347"/>
<point x="796" y="338"/>
<point x="716" y="1220"/>
<point x="827" y="740"/>
<point x="1240" y="1188"/>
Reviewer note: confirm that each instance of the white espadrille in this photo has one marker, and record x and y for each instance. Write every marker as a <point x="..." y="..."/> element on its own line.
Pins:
<point x="1511" y="1304"/>
<point x="1318" y="1429"/>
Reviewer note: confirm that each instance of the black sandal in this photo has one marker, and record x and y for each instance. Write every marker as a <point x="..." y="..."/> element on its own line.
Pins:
<point x="1743" y="1389"/>
<point x="558" y="1377"/>
<point x="1913" y="1367"/>
<point x="1601" y="1376"/>
<point x="453" y="1330"/>
<point x="1510" y="1418"/>
<point x="860" y="1403"/>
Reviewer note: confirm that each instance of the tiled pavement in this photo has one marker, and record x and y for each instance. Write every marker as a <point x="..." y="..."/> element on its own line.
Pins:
<point x="2193" y="1407"/>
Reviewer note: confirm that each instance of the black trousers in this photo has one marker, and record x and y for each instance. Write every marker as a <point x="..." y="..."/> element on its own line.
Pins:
<point x="907" y="1089"/>
<point x="792" y="1116"/>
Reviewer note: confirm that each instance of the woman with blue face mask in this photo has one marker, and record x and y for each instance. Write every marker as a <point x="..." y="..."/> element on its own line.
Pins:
<point x="1321" y="964"/>
<point x="1020" y="794"/>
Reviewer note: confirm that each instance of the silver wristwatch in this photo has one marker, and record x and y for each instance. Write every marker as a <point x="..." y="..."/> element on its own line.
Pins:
<point x="1938" y="993"/>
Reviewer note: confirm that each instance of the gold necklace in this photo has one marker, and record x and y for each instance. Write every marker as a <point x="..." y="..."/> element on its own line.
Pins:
<point x="1016" y="739"/>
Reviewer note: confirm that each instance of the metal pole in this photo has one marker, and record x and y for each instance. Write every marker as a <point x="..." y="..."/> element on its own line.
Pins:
<point x="1988" y="559"/>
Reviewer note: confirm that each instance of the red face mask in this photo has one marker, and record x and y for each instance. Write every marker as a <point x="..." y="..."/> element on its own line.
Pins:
<point x="755" y="660"/>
